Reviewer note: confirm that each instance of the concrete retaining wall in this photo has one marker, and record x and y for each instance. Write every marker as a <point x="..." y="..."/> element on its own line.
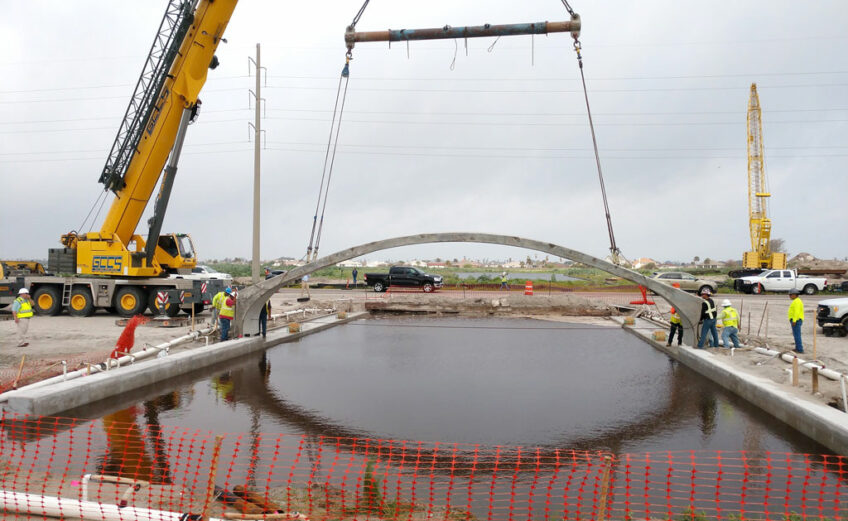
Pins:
<point x="820" y="422"/>
<point x="63" y="396"/>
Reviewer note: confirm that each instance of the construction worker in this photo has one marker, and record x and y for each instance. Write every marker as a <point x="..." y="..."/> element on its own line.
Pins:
<point x="304" y="286"/>
<point x="227" y="314"/>
<point x="217" y="300"/>
<point x="796" y="319"/>
<point x="676" y="325"/>
<point x="263" y="318"/>
<point x="355" y="274"/>
<point x="708" y="317"/>
<point x="504" y="285"/>
<point x="730" y="323"/>
<point x="22" y="312"/>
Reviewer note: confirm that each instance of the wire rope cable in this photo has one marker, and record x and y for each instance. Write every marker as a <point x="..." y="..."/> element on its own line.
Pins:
<point x="615" y="253"/>
<point x="332" y="163"/>
<point x="324" y="171"/>
<point x="335" y="124"/>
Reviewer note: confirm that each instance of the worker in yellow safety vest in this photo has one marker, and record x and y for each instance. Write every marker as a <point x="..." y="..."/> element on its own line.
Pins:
<point x="227" y="314"/>
<point x="217" y="300"/>
<point x="676" y="325"/>
<point x="796" y="318"/>
<point x="730" y="324"/>
<point x="22" y="312"/>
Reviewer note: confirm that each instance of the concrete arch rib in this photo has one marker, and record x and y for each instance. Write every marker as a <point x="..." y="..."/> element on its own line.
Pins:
<point x="253" y="298"/>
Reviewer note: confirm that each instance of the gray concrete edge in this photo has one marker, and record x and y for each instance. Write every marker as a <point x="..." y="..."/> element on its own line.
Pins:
<point x="63" y="396"/>
<point x="820" y="422"/>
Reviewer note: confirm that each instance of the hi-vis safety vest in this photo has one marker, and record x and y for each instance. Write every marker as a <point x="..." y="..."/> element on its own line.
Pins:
<point x="730" y="317"/>
<point x="711" y="308"/>
<point x="227" y="311"/>
<point x="218" y="299"/>
<point x="675" y="317"/>
<point x="26" y="308"/>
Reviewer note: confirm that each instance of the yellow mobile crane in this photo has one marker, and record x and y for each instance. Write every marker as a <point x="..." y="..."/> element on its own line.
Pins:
<point x="760" y="257"/>
<point x="115" y="267"/>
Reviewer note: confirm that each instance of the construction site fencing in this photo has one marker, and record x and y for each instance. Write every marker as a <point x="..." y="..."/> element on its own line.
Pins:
<point x="115" y="469"/>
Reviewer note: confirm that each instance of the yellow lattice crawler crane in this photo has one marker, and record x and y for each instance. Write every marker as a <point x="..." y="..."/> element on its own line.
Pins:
<point x="760" y="256"/>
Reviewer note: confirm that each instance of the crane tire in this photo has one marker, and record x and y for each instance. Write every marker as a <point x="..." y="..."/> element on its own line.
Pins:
<point x="47" y="300"/>
<point x="82" y="303"/>
<point x="130" y="301"/>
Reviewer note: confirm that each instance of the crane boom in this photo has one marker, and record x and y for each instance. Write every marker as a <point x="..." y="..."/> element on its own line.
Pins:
<point x="760" y="255"/>
<point x="164" y="102"/>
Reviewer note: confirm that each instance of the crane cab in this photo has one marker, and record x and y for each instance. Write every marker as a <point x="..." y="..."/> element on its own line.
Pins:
<point x="175" y="253"/>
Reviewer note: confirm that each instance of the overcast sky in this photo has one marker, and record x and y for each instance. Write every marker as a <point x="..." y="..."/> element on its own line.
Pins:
<point x="498" y="143"/>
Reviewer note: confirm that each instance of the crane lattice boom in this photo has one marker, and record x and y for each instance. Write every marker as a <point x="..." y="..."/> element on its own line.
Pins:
<point x="760" y="255"/>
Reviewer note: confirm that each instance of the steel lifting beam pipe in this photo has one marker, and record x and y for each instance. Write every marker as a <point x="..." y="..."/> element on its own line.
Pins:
<point x="477" y="31"/>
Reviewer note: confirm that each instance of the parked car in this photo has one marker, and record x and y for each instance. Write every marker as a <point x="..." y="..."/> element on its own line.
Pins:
<point x="686" y="281"/>
<point x="832" y="316"/>
<point x="269" y="273"/>
<point x="781" y="280"/>
<point x="205" y="273"/>
<point x="403" y="276"/>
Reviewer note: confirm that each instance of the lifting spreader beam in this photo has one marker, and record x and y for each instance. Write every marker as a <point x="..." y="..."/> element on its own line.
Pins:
<point x="478" y="31"/>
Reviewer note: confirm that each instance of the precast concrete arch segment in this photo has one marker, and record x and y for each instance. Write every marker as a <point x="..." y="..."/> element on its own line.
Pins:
<point x="254" y="297"/>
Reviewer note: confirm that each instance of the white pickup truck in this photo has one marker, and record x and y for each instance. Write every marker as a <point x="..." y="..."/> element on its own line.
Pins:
<point x="832" y="316"/>
<point x="782" y="281"/>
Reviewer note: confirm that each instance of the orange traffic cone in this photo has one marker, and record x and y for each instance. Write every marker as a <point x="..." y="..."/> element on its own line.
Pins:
<point x="528" y="287"/>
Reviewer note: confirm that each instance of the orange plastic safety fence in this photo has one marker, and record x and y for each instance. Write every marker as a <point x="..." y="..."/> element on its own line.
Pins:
<point x="112" y="469"/>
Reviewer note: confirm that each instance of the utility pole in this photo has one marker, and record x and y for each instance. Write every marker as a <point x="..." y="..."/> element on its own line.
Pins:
<point x="256" y="169"/>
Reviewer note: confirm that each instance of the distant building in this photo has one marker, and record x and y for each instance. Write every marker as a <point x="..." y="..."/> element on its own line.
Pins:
<point x="350" y="264"/>
<point x="643" y="261"/>
<point x="436" y="265"/>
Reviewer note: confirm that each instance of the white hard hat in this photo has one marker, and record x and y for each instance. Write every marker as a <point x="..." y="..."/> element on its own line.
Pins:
<point x="23" y="291"/>
<point x="726" y="303"/>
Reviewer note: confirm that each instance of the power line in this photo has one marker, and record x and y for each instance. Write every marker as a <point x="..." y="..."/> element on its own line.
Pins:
<point x="740" y="157"/>
<point x="559" y="91"/>
<point x="39" y="121"/>
<point x="461" y="123"/>
<point x="448" y="79"/>
<point x="113" y="86"/>
<point x="449" y="147"/>
<point x="100" y="157"/>
<point x="609" y="78"/>
<point x="592" y="157"/>
<point x="575" y="124"/>
<point x="485" y="114"/>
<point x="461" y="91"/>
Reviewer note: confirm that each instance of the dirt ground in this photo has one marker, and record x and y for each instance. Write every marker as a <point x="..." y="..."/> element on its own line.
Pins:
<point x="53" y="339"/>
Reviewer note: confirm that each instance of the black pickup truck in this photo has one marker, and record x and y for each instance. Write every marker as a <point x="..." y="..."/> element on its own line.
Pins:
<point x="403" y="276"/>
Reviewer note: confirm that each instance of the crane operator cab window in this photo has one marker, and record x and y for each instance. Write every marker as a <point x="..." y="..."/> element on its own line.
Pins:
<point x="169" y="244"/>
<point x="186" y="246"/>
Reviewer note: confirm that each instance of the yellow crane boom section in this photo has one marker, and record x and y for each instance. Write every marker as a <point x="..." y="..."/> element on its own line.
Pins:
<point x="181" y="90"/>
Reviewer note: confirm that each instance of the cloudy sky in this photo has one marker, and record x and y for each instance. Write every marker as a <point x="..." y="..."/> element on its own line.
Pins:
<point x="440" y="136"/>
